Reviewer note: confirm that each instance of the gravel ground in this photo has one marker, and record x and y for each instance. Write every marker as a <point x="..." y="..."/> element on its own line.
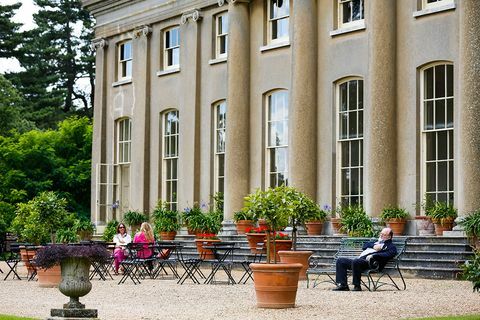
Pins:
<point x="165" y="299"/>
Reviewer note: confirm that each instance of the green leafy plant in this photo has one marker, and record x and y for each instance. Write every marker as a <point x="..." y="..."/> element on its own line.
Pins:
<point x="191" y="214"/>
<point x="218" y="201"/>
<point x="471" y="224"/>
<point x="355" y="221"/>
<point x="242" y="215"/>
<point x="394" y="212"/>
<point x="471" y="271"/>
<point x="281" y="236"/>
<point x="133" y="218"/>
<point x="165" y="220"/>
<point x="110" y="230"/>
<point x="441" y="211"/>
<point x="203" y="222"/>
<point x="83" y="224"/>
<point x="66" y="236"/>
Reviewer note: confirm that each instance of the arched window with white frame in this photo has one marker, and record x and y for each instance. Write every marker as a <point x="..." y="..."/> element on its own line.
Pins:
<point x="220" y="110"/>
<point x="123" y="161"/>
<point x="437" y="101"/>
<point x="170" y="159"/>
<point x="277" y="138"/>
<point x="349" y="98"/>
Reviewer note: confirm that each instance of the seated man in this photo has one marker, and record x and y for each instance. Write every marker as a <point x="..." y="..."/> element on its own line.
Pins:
<point x="380" y="251"/>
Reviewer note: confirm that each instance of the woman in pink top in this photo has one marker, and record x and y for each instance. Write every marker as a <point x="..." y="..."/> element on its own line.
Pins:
<point x="145" y="235"/>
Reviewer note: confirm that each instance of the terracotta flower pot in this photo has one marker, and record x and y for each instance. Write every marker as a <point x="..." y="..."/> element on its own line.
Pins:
<point x="336" y="225"/>
<point x="168" y="235"/>
<point x="397" y="226"/>
<point x="276" y="284"/>
<point x="314" y="228"/>
<point x="297" y="257"/>
<point x="206" y="254"/>
<point x="280" y="245"/>
<point x="262" y="223"/>
<point x="254" y="239"/>
<point x="242" y="226"/>
<point x="49" y="278"/>
<point x="27" y="255"/>
<point x="442" y="225"/>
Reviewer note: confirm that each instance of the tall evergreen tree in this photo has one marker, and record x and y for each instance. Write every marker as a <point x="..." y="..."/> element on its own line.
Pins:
<point x="10" y="38"/>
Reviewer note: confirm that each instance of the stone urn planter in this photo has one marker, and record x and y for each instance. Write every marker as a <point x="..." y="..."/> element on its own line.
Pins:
<point x="424" y="226"/>
<point x="276" y="284"/>
<point x="296" y="257"/>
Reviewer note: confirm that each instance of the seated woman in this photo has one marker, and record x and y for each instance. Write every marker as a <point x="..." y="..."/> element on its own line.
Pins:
<point x="145" y="235"/>
<point x="121" y="239"/>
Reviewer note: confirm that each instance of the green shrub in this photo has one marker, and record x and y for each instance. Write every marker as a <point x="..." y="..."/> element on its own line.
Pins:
<point x="471" y="224"/>
<point x="133" y="218"/>
<point x="165" y="220"/>
<point x="441" y="211"/>
<point x="242" y="215"/>
<point x="66" y="236"/>
<point x="471" y="271"/>
<point x="110" y="230"/>
<point x="394" y="212"/>
<point x="355" y="221"/>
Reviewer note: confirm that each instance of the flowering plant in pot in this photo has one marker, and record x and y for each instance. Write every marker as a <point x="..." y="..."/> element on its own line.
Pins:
<point x="442" y="215"/>
<point x="275" y="284"/>
<point x="395" y="218"/>
<point x="75" y="264"/>
<point x="256" y="235"/>
<point x="314" y="223"/>
<point x="206" y="239"/>
<point x="243" y="220"/>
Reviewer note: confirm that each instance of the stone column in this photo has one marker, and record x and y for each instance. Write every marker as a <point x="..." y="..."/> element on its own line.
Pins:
<point x="237" y="168"/>
<point x="99" y="150"/>
<point x="140" y="167"/>
<point x="302" y="145"/>
<point x="380" y="119"/>
<point x="189" y="156"/>
<point x="467" y="159"/>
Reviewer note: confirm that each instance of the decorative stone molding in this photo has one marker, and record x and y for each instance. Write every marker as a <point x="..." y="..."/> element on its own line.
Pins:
<point x="99" y="43"/>
<point x="221" y="2"/>
<point x="194" y="14"/>
<point x="142" y="31"/>
<point x="239" y="1"/>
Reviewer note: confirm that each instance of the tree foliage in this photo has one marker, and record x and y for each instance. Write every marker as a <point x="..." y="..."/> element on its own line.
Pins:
<point x="10" y="38"/>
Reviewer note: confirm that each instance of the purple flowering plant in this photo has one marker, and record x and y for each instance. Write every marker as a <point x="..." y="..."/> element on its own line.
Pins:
<point x="51" y="255"/>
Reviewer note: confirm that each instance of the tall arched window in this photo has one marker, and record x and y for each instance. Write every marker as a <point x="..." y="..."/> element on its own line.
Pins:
<point x="277" y="138"/>
<point x="124" y="158"/>
<point x="170" y="158"/>
<point x="350" y="141"/>
<point x="219" y="150"/>
<point x="124" y="149"/>
<point x="437" y="132"/>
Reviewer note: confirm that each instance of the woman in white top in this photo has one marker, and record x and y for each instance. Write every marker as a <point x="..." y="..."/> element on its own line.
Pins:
<point x="121" y="239"/>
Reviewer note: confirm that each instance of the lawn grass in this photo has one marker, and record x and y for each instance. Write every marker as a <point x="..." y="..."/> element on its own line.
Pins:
<point x="469" y="317"/>
<point x="7" y="317"/>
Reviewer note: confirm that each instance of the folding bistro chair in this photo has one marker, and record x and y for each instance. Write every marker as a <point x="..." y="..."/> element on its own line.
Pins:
<point x="166" y="258"/>
<point x="223" y="259"/>
<point x="136" y="266"/>
<point x="12" y="261"/>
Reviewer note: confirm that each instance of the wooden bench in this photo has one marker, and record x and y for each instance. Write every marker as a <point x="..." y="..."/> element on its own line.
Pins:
<point x="351" y="248"/>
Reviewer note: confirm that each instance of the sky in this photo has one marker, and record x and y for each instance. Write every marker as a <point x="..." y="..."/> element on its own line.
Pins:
<point x="24" y="15"/>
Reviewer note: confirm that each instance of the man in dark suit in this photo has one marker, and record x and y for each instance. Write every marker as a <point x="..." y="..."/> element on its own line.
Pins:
<point x="379" y="251"/>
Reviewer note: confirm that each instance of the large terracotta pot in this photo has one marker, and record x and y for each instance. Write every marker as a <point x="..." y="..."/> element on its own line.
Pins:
<point x="49" y="278"/>
<point x="314" y="228"/>
<point x="168" y="235"/>
<point x="27" y="255"/>
<point x="336" y="225"/>
<point x="206" y="254"/>
<point x="75" y="280"/>
<point x="276" y="284"/>
<point x="397" y="226"/>
<point x="442" y="225"/>
<point x="262" y="223"/>
<point x="242" y="226"/>
<point x="254" y="239"/>
<point x="85" y="235"/>
<point x="280" y="245"/>
<point x="297" y="257"/>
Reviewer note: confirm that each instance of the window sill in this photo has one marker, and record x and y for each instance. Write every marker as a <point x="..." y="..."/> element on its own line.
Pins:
<point x="217" y="60"/>
<point x="122" y="82"/>
<point x="168" y="71"/>
<point x="348" y="29"/>
<point x="273" y="46"/>
<point x="424" y="12"/>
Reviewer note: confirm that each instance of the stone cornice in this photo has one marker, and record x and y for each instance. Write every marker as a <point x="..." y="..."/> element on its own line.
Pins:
<point x="141" y="31"/>
<point x="98" y="43"/>
<point x="194" y="15"/>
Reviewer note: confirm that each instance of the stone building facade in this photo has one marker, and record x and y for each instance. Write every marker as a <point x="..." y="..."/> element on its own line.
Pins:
<point x="370" y="101"/>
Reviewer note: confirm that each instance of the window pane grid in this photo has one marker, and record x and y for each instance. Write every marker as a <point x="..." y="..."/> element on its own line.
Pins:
<point x="350" y="11"/>
<point x="278" y="19"/>
<point x="125" y="60"/>
<point x="437" y="130"/>
<point x="350" y="139"/>
<point x="170" y="158"/>
<point x="124" y="141"/>
<point x="219" y="156"/>
<point x="222" y="35"/>
<point x="172" y="48"/>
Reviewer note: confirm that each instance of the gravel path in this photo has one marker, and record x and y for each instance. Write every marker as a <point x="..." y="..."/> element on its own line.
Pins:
<point x="164" y="299"/>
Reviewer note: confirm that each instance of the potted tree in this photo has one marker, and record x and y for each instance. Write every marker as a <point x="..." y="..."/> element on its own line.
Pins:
<point x="75" y="264"/>
<point x="165" y="221"/>
<point x="134" y="219"/>
<point x="255" y="235"/>
<point x="243" y="220"/>
<point x="315" y="221"/>
<point x="471" y="226"/>
<point x="275" y="283"/>
<point x="395" y="218"/>
<point x="442" y="215"/>
<point x="84" y="228"/>
<point x="207" y="225"/>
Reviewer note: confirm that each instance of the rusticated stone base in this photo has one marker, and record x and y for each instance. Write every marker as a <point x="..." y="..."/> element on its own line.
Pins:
<point x="73" y="314"/>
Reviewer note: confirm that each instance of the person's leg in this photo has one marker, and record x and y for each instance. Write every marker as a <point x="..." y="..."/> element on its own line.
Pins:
<point x="118" y="257"/>
<point x="342" y="265"/>
<point x="358" y="266"/>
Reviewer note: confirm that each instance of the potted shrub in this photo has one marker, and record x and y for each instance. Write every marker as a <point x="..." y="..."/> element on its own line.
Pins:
<point x="471" y="271"/>
<point x="471" y="226"/>
<point x="243" y="220"/>
<point x="395" y="218"/>
<point x="206" y="239"/>
<point x="192" y="218"/>
<point x="84" y="229"/>
<point x="256" y="235"/>
<point x="165" y="221"/>
<point x="75" y="264"/>
<point x="134" y="219"/>
<point x="355" y="221"/>
<point x="110" y="231"/>
<point x="275" y="284"/>
<point x="315" y="221"/>
<point x="442" y="215"/>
